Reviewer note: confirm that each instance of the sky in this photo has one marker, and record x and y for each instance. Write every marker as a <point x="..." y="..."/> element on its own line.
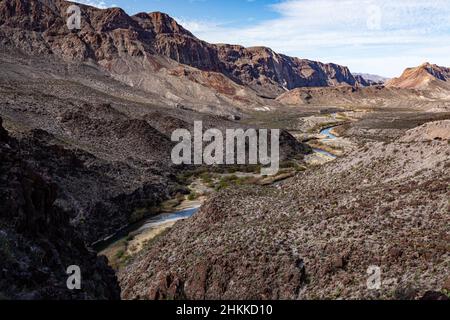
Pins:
<point x="381" y="37"/>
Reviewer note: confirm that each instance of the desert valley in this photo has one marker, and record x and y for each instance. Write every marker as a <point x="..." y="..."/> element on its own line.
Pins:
<point x="86" y="177"/>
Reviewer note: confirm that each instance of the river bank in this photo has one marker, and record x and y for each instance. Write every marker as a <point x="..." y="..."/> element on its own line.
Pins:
<point x="123" y="249"/>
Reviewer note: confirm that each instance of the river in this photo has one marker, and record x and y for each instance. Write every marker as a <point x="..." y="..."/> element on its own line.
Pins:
<point x="162" y="220"/>
<point x="145" y="225"/>
<point x="329" y="136"/>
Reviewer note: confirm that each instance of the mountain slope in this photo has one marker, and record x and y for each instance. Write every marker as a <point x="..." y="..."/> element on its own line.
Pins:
<point x="105" y="144"/>
<point x="344" y="96"/>
<point x="425" y="76"/>
<point x="316" y="236"/>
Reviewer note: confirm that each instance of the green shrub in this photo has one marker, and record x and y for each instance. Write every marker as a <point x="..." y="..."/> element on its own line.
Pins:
<point x="120" y="254"/>
<point x="192" y="196"/>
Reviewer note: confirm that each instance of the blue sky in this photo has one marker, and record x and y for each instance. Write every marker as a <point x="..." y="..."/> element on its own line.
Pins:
<point x="374" y="36"/>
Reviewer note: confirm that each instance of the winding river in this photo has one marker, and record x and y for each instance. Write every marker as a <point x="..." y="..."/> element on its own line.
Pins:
<point x="327" y="132"/>
<point x="162" y="219"/>
<point x="146" y="225"/>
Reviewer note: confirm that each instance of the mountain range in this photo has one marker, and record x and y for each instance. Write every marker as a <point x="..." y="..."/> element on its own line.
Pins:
<point x="143" y="48"/>
<point x="151" y="51"/>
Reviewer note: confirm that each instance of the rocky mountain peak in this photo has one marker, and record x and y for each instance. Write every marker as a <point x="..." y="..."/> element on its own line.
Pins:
<point x="441" y="73"/>
<point x="421" y="77"/>
<point x="111" y="19"/>
<point x="160" y="24"/>
<point x="163" y="23"/>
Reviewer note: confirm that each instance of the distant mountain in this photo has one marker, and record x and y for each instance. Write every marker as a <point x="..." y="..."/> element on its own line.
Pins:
<point x="370" y="79"/>
<point x="424" y="76"/>
<point x="126" y="45"/>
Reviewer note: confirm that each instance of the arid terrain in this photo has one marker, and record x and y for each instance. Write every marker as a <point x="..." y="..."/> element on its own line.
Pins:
<point x="86" y="118"/>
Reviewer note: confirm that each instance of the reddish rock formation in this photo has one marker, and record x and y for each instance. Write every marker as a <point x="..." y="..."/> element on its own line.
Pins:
<point x="422" y="77"/>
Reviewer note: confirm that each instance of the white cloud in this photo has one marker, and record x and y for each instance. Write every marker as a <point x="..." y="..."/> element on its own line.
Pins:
<point x="377" y="36"/>
<point x="198" y="26"/>
<point x="94" y="3"/>
<point x="367" y="35"/>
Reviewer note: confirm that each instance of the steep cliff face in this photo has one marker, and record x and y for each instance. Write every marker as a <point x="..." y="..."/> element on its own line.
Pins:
<point x="160" y="23"/>
<point x="260" y="68"/>
<point x="267" y="71"/>
<point x="105" y="35"/>
<point x="37" y="242"/>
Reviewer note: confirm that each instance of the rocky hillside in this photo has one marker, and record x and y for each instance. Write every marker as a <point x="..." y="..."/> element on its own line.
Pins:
<point x="37" y="241"/>
<point x="105" y="144"/>
<point x="98" y="152"/>
<point x="373" y="95"/>
<point x="106" y="160"/>
<point x="422" y="77"/>
<point x="426" y="87"/>
<point x="436" y="99"/>
<point x="118" y="42"/>
<point x="315" y="237"/>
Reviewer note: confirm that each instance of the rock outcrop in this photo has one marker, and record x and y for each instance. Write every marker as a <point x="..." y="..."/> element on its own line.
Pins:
<point x="37" y="241"/>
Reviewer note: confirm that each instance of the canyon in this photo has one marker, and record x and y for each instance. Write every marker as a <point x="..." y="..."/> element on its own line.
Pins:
<point x="86" y="120"/>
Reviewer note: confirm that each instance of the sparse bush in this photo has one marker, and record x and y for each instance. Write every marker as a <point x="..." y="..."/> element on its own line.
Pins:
<point x="119" y="255"/>
<point x="192" y="196"/>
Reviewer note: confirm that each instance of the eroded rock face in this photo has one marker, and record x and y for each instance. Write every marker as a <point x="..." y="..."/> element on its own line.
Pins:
<point x="37" y="242"/>
<point x="260" y="68"/>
